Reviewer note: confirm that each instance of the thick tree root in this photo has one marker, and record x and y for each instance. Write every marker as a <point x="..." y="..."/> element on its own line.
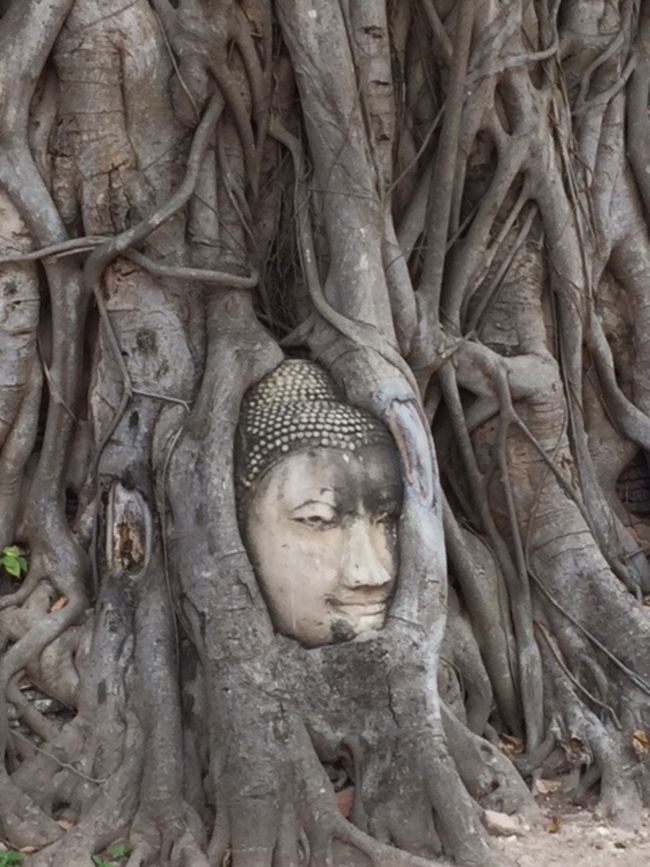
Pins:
<point x="490" y="778"/>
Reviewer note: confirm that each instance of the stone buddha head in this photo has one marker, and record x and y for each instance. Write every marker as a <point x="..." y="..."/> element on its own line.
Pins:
<point x="319" y="497"/>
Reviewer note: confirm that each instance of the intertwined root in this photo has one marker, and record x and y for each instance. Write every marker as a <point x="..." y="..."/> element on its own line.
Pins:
<point x="145" y="188"/>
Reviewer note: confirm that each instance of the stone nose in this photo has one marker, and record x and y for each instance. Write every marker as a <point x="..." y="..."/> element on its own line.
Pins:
<point x="362" y="565"/>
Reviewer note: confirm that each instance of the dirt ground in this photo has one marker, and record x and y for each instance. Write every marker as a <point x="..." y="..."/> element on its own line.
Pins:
<point x="573" y="836"/>
<point x="570" y="836"/>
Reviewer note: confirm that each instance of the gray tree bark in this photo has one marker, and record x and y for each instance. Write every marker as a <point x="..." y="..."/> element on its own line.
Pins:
<point x="445" y="205"/>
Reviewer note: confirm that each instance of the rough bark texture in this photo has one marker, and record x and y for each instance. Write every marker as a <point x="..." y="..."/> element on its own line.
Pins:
<point x="444" y="204"/>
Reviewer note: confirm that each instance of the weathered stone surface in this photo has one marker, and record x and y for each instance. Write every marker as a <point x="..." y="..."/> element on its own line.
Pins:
<point x="501" y="824"/>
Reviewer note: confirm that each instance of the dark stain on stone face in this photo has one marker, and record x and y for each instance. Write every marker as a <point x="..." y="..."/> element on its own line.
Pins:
<point x="341" y="631"/>
<point x="146" y="341"/>
<point x="10" y="289"/>
<point x="101" y="692"/>
<point x="370" y="482"/>
<point x="134" y="420"/>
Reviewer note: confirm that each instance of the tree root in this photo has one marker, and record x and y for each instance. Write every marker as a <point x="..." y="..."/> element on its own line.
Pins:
<point x="587" y="741"/>
<point x="109" y="814"/>
<point x="490" y="778"/>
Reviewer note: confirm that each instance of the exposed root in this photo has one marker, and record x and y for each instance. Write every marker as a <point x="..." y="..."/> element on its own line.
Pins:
<point x="217" y="753"/>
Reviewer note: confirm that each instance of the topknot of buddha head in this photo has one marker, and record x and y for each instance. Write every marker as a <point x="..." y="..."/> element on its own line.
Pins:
<point x="319" y="496"/>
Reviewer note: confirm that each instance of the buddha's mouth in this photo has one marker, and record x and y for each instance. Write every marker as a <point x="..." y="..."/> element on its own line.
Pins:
<point x="357" y="609"/>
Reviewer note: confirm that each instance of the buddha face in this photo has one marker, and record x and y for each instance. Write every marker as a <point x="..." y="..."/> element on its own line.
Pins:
<point x="321" y="529"/>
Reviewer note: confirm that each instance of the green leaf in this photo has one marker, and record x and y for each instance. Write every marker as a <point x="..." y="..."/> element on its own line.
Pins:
<point x="12" y="567"/>
<point x="11" y="551"/>
<point x="120" y="852"/>
<point x="15" y="564"/>
<point x="10" y="858"/>
<point x="97" y="861"/>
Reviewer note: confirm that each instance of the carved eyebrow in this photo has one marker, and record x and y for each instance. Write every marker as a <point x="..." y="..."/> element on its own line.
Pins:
<point x="311" y="503"/>
<point x="311" y="488"/>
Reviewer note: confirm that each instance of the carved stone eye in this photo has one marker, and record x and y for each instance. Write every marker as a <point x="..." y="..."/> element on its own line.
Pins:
<point x="316" y="522"/>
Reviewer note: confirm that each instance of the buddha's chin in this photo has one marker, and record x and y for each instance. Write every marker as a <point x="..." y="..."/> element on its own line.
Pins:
<point x="366" y="619"/>
<point x="372" y="621"/>
<point x="343" y="624"/>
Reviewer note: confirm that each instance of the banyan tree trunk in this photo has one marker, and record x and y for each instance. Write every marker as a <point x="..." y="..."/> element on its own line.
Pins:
<point x="444" y="204"/>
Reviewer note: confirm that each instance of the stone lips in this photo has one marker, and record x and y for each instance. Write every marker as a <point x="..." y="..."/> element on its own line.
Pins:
<point x="298" y="406"/>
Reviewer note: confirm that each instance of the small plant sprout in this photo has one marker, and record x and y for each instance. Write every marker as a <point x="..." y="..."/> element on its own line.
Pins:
<point x="14" y="562"/>
<point x="120" y="852"/>
<point x="117" y="854"/>
<point x="10" y="858"/>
